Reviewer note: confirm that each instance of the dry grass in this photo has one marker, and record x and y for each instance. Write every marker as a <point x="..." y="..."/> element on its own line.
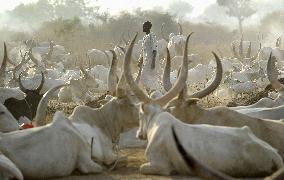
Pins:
<point x="130" y="171"/>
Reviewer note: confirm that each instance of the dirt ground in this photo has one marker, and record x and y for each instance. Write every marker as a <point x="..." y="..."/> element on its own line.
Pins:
<point x="130" y="171"/>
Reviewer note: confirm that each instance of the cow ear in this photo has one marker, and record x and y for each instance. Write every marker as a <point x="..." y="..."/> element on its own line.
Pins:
<point x="192" y="101"/>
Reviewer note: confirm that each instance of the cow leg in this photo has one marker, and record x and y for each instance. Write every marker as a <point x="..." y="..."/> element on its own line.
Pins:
<point x="157" y="168"/>
<point x="86" y="165"/>
<point x="8" y="169"/>
<point x="112" y="157"/>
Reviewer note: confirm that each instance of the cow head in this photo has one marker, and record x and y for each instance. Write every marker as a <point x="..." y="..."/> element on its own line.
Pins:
<point x="33" y="96"/>
<point x="152" y="105"/>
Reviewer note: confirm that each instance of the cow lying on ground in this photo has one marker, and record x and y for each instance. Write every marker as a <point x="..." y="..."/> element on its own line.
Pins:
<point x="186" y="109"/>
<point x="207" y="172"/>
<point x="65" y="148"/>
<point x="106" y="123"/>
<point x="208" y="143"/>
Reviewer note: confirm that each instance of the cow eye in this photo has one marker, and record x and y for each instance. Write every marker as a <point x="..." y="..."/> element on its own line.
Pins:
<point x="2" y="112"/>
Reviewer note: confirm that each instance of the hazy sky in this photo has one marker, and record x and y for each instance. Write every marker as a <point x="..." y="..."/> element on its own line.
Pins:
<point x="114" y="6"/>
<point x="213" y="13"/>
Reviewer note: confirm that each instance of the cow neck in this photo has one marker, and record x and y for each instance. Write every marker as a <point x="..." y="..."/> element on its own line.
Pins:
<point x="150" y="122"/>
<point x="197" y="113"/>
<point x="105" y="119"/>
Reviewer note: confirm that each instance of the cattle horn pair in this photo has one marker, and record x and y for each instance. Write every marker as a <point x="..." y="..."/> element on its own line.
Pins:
<point x="200" y="94"/>
<point x="37" y="89"/>
<point x="180" y="83"/>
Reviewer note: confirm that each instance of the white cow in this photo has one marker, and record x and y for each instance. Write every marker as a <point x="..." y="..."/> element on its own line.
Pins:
<point x="253" y="154"/>
<point x="155" y="126"/>
<point x="24" y="153"/>
<point x="68" y="149"/>
<point x="176" y="42"/>
<point x="79" y="89"/>
<point x="208" y="172"/>
<point x="100" y="57"/>
<point x="274" y="113"/>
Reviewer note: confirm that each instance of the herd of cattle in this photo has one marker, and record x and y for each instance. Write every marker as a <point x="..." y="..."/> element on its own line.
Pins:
<point x="179" y="134"/>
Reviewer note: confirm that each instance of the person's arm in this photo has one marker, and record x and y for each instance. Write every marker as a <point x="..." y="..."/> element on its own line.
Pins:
<point x="154" y="59"/>
<point x="154" y="47"/>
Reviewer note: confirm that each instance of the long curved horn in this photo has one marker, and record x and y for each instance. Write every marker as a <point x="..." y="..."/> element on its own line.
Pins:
<point x="254" y="57"/>
<point x="197" y="167"/>
<point x="272" y="74"/>
<point x="21" y="86"/>
<point x="214" y="84"/>
<point x="140" y="65"/>
<point x="41" y="82"/>
<point x="112" y="76"/>
<point x="249" y="51"/>
<point x="36" y="61"/>
<point x="42" y="106"/>
<point x="3" y="65"/>
<point x="128" y="77"/>
<point x="121" y="87"/>
<point x="180" y="29"/>
<point x="49" y="54"/>
<point x="162" y="33"/>
<point x="167" y="72"/>
<point x="18" y="67"/>
<point x="180" y="82"/>
<point x="9" y="168"/>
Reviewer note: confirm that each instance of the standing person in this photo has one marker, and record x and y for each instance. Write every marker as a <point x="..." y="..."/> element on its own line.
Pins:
<point x="151" y="65"/>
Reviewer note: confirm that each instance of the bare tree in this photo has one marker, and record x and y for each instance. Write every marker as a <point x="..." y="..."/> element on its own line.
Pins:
<point x="180" y="9"/>
<point x="240" y="9"/>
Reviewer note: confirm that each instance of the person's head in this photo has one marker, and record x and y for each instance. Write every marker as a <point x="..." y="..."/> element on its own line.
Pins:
<point x="147" y="26"/>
